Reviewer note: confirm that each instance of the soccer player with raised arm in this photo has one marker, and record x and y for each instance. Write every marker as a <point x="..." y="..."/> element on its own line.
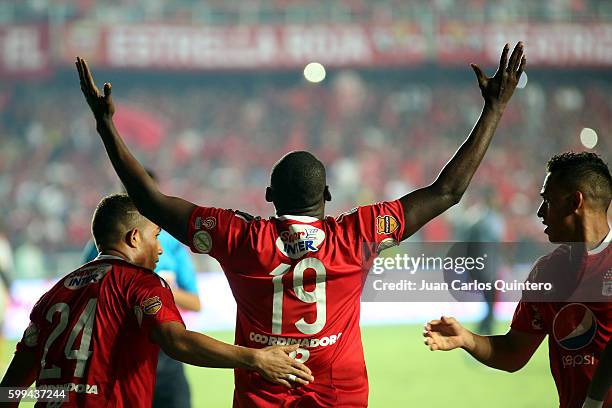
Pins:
<point x="576" y="195"/>
<point x="297" y="277"/>
<point x="97" y="332"/>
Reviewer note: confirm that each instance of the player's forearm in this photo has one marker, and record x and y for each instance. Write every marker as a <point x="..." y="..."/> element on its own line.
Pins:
<point x="186" y="300"/>
<point x="493" y="351"/>
<point x="602" y="380"/>
<point x="139" y="185"/>
<point x="458" y="172"/>
<point x="200" y="350"/>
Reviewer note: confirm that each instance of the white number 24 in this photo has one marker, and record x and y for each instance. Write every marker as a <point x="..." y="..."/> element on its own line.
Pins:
<point x="84" y="324"/>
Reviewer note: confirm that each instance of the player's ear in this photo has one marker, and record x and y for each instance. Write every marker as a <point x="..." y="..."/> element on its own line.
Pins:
<point x="269" y="195"/>
<point x="132" y="237"/>
<point x="326" y="194"/>
<point x="577" y="200"/>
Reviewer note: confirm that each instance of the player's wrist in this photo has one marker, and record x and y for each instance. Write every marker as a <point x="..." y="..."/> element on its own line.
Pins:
<point x="494" y="107"/>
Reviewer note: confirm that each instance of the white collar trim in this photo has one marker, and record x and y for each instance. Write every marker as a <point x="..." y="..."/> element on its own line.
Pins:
<point x="299" y="218"/>
<point x="103" y="257"/>
<point x="604" y="244"/>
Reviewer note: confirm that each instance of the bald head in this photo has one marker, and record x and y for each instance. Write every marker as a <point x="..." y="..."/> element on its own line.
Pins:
<point x="297" y="181"/>
<point x="114" y="217"/>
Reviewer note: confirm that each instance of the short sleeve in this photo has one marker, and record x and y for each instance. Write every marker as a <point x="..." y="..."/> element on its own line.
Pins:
<point x="379" y="226"/>
<point x="216" y="231"/>
<point x="152" y="301"/>
<point x="528" y="318"/>
<point x="30" y="341"/>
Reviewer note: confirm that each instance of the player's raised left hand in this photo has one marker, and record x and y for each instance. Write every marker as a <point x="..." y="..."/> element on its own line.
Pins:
<point x="101" y="104"/>
<point x="275" y="365"/>
<point x="498" y="89"/>
<point x="445" y="334"/>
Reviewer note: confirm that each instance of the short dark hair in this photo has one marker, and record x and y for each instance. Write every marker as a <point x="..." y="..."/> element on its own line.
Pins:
<point x="298" y="180"/>
<point x="115" y="215"/>
<point x="586" y="172"/>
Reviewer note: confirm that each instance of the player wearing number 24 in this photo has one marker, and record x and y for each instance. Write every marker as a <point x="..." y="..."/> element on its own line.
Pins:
<point x="98" y="331"/>
<point x="297" y="277"/>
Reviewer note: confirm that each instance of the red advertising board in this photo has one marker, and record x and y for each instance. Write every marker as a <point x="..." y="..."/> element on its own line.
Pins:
<point x="24" y="50"/>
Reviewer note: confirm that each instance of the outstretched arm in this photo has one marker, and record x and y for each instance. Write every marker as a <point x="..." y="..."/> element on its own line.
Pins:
<point x="170" y="213"/>
<point x="602" y="380"/>
<point x="424" y="204"/>
<point x="273" y="363"/>
<point x="508" y="352"/>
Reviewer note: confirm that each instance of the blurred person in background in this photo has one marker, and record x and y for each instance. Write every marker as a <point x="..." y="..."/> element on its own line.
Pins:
<point x="97" y="332"/>
<point x="256" y="254"/>
<point x="576" y="195"/>
<point x="176" y="267"/>
<point x="483" y="237"/>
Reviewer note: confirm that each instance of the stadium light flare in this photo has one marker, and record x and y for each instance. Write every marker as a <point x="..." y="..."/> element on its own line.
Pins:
<point x="588" y="138"/>
<point x="314" y="72"/>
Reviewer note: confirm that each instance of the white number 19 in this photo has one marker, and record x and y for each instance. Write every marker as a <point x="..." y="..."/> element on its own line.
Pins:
<point x="316" y="296"/>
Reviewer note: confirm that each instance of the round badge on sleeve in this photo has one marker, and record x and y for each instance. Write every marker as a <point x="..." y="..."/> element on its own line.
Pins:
<point x="202" y="241"/>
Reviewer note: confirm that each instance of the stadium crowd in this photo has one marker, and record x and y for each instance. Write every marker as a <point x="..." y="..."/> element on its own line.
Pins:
<point x="282" y="11"/>
<point x="214" y="141"/>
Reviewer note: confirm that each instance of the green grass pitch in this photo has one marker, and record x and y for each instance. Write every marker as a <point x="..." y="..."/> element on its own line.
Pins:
<point x="404" y="373"/>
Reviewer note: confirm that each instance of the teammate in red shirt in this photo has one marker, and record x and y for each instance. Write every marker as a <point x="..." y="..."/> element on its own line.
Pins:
<point x="297" y="278"/>
<point x="576" y="195"/>
<point x="97" y="332"/>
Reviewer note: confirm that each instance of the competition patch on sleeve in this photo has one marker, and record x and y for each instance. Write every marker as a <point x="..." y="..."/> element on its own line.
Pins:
<point x="385" y="244"/>
<point x="151" y="305"/>
<point x="208" y="223"/>
<point x="30" y="336"/>
<point x="606" y="289"/>
<point x="386" y="224"/>
<point x="202" y="242"/>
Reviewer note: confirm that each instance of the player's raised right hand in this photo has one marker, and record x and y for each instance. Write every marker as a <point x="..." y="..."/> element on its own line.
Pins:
<point x="101" y="105"/>
<point x="275" y="365"/>
<point x="445" y="334"/>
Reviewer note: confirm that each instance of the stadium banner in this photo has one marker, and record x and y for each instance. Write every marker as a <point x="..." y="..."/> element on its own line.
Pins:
<point x="180" y="47"/>
<point x="561" y="45"/>
<point x="245" y="47"/>
<point x="24" y="51"/>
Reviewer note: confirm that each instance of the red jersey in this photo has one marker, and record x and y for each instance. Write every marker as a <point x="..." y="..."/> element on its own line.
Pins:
<point x="578" y="330"/>
<point x="91" y="333"/>
<point x="298" y="280"/>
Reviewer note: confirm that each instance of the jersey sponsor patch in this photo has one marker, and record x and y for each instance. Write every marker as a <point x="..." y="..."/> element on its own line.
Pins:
<point x="299" y="239"/>
<point x="574" y="326"/>
<point x="202" y="242"/>
<point x="83" y="277"/>
<point x="151" y="305"/>
<point x="386" y="224"/>
<point x="606" y="289"/>
<point x="30" y="336"/>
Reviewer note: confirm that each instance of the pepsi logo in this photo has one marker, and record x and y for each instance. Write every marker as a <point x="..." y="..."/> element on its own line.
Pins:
<point x="574" y="326"/>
